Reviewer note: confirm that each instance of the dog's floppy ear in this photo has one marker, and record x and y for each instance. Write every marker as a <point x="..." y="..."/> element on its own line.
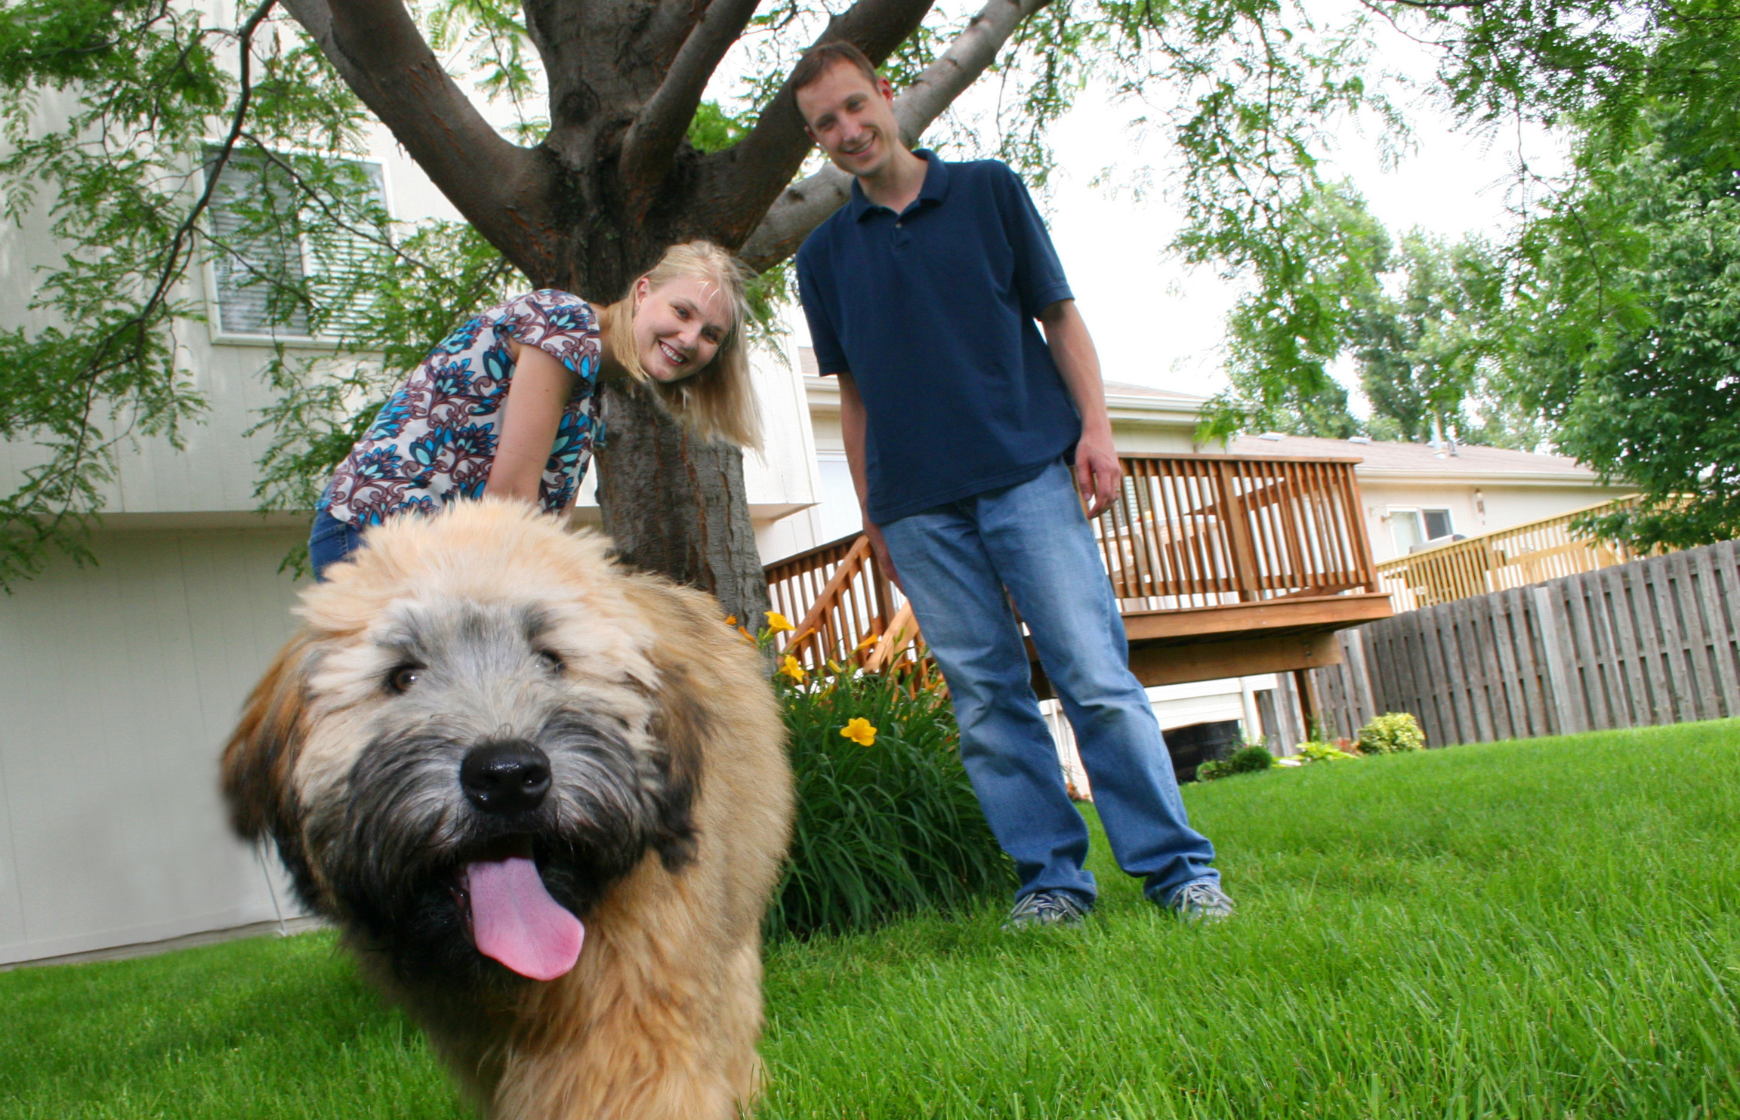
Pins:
<point x="681" y="725"/>
<point x="261" y="753"/>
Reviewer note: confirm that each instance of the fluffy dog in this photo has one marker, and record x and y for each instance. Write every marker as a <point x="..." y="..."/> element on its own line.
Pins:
<point x="544" y="798"/>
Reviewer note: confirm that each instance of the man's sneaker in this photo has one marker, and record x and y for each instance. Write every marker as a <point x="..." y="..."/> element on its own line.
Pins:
<point x="1046" y="908"/>
<point x="1201" y="902"/>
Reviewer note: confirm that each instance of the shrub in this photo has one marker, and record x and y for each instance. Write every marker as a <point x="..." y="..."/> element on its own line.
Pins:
<point x="1245" y="760"/>
<point x="1390" y="733"/>
<point x="1323" y="752"/>
<point x="887" y="823"/>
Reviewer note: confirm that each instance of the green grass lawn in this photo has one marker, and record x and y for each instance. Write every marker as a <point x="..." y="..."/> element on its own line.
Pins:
<point x="1545" y="929"/>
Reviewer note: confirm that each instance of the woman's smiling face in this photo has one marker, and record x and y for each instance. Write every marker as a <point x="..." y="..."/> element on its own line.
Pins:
<point x="679" y="326"/>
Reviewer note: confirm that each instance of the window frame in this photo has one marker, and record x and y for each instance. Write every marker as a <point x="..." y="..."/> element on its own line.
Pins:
<point x="214" y="305"/>
<point x="1419" y="513"/>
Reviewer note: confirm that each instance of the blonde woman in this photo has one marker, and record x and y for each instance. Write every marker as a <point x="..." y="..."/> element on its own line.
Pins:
<point x="508" y="405"/>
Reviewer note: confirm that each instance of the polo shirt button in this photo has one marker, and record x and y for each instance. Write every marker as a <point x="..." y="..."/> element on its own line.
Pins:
<point x="897" y="225"/>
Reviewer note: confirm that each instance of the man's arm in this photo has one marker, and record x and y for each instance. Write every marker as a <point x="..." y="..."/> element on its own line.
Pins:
<point x="1097" y="470"/>
<point x="852" y="434"/>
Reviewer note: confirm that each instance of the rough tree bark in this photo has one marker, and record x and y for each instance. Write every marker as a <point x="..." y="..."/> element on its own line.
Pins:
<point x="615" y="181"/>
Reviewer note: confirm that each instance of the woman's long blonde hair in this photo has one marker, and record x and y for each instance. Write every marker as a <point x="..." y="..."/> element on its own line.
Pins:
<point x="719" y="401"/>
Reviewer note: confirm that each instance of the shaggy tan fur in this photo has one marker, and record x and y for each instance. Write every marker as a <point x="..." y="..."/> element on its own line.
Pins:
<point x="660" y="1017"/>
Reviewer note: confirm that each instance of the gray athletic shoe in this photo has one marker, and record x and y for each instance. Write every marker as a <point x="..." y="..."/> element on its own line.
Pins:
<point x="1046" y="908"/>
<point x="1201" y="902"/>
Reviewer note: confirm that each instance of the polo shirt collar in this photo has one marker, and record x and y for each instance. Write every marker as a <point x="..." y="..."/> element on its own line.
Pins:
<point x="935" y="189"/>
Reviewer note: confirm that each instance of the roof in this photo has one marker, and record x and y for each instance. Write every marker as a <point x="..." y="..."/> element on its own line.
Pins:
<point x="1127" y="389"/>
<point x="1417" y="460"/>
<point x="1127" y="401"/>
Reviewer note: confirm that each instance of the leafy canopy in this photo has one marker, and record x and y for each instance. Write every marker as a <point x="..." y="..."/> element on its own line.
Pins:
<point x="124" y="121"/>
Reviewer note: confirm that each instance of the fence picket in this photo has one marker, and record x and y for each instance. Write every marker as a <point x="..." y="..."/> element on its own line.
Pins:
<point x="1564" y="703"/>
<point x="1516" y="664"/>
<point x="1476" y="638"/>
<point x="1616" y="612"/>
<point x="1716" y="629"/>
<point x="1693" y="655"/>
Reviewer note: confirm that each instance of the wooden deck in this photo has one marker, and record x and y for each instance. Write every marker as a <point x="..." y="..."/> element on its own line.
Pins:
<point x="1222" y="565"/>
<point x="1502" y="560"/>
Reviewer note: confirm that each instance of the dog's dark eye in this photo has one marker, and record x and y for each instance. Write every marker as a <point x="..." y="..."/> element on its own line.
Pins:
<point x="404" y="677"/>
<point x="552" y="660"/>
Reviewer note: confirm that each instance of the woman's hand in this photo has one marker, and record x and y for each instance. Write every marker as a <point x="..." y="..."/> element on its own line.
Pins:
<point x="529" y="418"/>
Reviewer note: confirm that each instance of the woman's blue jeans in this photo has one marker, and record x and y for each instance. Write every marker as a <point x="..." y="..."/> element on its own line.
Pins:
<point x="329" y="541"/>
<point x="955" y="562"/>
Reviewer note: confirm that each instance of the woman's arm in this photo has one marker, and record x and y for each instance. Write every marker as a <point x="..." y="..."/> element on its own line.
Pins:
<point x="529" y="419"/>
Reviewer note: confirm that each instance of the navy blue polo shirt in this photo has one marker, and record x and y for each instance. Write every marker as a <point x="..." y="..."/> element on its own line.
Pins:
<point x="932" y="312"/>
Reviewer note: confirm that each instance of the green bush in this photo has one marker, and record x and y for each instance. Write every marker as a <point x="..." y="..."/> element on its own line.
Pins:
<point x="883" y="828"/>
<point x="1390" y="733"/>
<point x="1245" y="760"/>
<point x="1322" y="752"/>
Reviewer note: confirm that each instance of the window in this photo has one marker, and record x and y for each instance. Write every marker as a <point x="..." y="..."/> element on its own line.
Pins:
<point x="265" y="267"/>
<point x="1411" y="528"/>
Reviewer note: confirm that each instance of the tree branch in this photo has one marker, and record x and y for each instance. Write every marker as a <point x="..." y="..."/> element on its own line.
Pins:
<point x="739" y="183"/>
<point x="501" y="188"/>
<point x="651" y="143"/>
<point x="803" y="206"/>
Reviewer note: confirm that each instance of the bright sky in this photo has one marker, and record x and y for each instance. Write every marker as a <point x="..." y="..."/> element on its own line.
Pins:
<point x="1157" y="323"/>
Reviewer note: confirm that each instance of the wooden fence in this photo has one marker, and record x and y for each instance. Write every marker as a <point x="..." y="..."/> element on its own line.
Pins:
<point x="1497" y="561"/>
<point x="1653" y="641"/>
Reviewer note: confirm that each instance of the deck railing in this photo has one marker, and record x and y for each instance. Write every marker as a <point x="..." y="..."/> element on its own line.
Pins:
<point x="1498" y="561"/>
<point x="1204" y="531"/>
<point x="1186" y="531"/>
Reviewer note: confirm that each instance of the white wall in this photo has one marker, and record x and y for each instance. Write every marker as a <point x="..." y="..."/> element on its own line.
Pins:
<point x="118" y="686"/>
<point x="1476" y="506"/>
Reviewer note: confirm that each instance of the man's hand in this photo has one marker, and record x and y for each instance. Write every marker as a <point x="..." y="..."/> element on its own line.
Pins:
<point x="1098" y="473"/>
<point x="880" y="548"/>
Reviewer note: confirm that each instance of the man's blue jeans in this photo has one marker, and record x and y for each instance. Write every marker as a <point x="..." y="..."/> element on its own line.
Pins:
<point x="955" y="561"/>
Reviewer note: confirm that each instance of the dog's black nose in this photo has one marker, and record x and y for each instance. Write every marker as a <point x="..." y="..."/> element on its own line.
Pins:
<point x="508" y="777"/>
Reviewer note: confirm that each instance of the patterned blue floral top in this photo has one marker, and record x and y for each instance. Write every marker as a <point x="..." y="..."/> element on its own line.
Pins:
<point x="435" y="439"/>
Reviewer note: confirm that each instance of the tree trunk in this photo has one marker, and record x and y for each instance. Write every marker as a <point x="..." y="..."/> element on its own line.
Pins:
<point x="677" y="506"/>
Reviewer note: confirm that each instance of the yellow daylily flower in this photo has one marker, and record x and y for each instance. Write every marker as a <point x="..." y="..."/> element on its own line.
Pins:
<point x="860" y="731"/>
<point x="778" y="623"/>
<point x="747" y="636"/>
<point x="731" y="620"/>
<point x="792" y="669"/>
<point x="869" y="640"/>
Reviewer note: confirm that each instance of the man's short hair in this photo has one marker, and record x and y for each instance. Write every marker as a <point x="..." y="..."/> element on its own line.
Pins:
<point x="820" y="57"/>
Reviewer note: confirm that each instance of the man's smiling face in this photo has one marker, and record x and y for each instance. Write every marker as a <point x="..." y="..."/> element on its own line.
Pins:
<point x="851" y="118"/>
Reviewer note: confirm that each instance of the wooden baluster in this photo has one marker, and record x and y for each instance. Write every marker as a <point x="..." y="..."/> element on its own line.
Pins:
<point x="1243" y="553"/>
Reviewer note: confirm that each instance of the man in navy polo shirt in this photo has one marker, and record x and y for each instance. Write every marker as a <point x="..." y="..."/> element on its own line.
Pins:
<point x="961" y="424"/>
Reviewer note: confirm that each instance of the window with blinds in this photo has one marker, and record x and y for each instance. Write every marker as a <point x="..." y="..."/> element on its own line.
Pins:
<point x="268" y="269"/>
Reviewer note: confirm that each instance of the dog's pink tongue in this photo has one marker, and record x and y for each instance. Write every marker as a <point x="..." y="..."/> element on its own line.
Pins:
<point x="515" y="921"/>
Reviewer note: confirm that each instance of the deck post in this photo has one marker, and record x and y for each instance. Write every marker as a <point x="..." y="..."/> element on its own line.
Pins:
<point x="1235" y="517"/>
<point x="1310" y="708"/>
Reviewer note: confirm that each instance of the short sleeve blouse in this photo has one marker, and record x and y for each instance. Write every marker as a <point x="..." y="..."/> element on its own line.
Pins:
<point x="435" y="439"/>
